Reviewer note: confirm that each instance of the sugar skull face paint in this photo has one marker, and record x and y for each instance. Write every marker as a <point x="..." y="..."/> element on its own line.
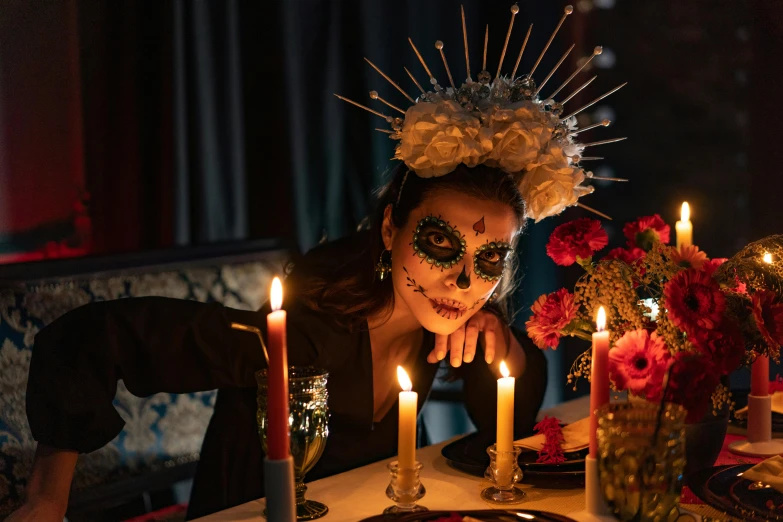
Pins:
<point x="433" y="266"/>
<point x="438" y="243"/>
<point x="489" y="260"/>
<point x="479" y="226"/>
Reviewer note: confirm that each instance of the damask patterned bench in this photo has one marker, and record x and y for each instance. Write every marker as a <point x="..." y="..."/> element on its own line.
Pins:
<point x="163" y="433"/>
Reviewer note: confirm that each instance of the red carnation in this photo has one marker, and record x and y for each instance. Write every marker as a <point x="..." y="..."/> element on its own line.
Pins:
<point x="694" y="301"/>
<point x="551" y="314"/>
<point x="638" y="362"/>
<point x="725" y="346"/>
<point x="576" y="239"/>
<point x="692" y="381"/>
<point x="768" y="315"/>
<point x="632" y="256"/>
<point x="689" y="256"/>
<point x="645" y="230"/>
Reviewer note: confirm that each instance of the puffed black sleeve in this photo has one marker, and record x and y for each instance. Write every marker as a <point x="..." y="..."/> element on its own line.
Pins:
<point x="154" y="344"/>
<point x="480" y="390"/>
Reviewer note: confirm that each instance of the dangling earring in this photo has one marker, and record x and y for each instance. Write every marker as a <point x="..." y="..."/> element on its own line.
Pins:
<point x="383" y="268"/>
<point x="491" y="298"/>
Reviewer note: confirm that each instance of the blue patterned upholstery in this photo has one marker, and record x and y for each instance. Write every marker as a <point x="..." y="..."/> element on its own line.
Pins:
<point x="161" y="430"/>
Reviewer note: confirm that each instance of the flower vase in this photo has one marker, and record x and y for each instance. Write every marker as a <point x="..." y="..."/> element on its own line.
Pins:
<point x="704" y="440"/>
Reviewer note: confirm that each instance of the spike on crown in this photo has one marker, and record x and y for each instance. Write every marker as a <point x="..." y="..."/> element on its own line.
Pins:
<point x="500" y="122"/>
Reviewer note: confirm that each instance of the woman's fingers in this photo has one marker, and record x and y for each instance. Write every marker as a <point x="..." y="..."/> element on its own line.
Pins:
<point x="440" y="349"/>
<point x="489" y="344"/>
<point x="471" y="339"/>
<point x="457" y="343"/>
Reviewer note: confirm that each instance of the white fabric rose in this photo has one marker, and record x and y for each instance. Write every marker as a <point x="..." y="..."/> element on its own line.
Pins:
<point x="437" y="137"/>
<point x="550" y="184"/>
<point x="518" y="135"/>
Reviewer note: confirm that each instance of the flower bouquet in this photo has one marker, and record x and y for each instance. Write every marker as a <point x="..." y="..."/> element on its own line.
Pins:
<point x="669" y="310"/>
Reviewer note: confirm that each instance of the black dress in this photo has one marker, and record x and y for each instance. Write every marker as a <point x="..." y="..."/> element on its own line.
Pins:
<point x="174" y="346"/>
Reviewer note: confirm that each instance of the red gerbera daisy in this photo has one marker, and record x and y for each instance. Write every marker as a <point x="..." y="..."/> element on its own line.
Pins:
<point x="768" y="315"/>
<point x="576" y="239"/>
<point x="692" y="381"/>
<point x="642" y="232"/>
<point x="694" y="301"/>
<point x="551" y="314"/>
<point x="725" y="346"/>
<point x="637" y="363"/>
<point x="689" y="256"/>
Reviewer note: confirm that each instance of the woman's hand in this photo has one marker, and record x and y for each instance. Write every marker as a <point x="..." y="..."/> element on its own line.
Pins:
<point x="462" y="343"/>
<point x="38" y="510"/>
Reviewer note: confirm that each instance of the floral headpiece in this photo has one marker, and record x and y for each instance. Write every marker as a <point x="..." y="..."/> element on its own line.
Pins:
<point x="502" y="122"/>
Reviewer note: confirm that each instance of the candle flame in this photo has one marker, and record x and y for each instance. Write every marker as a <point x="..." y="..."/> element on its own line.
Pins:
<point x="504" y="369"/>
<point x="405" y="381"/>
<point x="600" y="320"/>
<point x="685" y="213"/>
<point x="767" y="258"/>
<point x="276" y="297"/>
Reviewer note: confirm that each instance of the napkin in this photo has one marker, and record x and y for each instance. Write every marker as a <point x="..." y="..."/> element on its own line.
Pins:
<point x="769" y="472"/>
<point x="777" y="405"/>
<point x="576" y="435"/>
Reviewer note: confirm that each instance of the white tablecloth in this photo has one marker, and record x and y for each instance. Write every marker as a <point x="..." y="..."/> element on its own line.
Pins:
<point x="361" y="493"/>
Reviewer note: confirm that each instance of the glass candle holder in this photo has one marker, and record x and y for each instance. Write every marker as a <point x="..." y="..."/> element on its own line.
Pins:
<point x="308" y="423"/>
<point x="405" y="488"/>
<point x="641" y="470"/>
<point x="504" y="473"/>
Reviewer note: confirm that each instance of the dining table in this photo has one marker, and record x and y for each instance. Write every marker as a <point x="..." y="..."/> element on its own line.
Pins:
<point x="361" y="493"/>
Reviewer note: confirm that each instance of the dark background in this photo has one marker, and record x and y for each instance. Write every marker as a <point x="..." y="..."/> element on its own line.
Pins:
<point x="130" y="126"/>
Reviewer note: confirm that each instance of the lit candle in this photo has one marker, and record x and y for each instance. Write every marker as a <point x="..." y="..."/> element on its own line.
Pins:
<point x="277" y="395"/>
<point x="505" y="437"/>
<point x="406" y="439"/>
<point x="505" y="427"/>
<point x="599" y="377"/>
<point x="759" y="376"/>
<point x="684" y="227"/>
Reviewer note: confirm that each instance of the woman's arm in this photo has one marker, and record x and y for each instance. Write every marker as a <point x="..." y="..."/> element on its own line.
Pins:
<point x="46" y="496"/>
<point x="154" y="345"/>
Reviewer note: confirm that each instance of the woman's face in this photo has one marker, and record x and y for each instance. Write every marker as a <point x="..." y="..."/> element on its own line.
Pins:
<point x="449" y="257"/>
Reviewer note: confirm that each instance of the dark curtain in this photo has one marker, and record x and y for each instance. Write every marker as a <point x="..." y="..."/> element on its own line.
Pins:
<point x="163" y="122"/>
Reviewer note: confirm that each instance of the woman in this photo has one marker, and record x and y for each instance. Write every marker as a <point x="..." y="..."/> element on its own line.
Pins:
<point x="448" y="241"/>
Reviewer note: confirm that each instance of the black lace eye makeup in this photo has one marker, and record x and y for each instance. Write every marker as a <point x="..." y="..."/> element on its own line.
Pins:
<point x="489" y="261"/>
<point x="438" y="243"/>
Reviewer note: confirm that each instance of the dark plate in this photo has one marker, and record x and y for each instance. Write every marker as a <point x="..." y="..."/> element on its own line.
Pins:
<point x="488" y="515"/>
<point x="469" y="454"/>
<point x="724" y="489"/>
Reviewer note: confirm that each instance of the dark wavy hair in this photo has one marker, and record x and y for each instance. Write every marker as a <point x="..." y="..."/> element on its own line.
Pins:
<point x="341" y="281"/>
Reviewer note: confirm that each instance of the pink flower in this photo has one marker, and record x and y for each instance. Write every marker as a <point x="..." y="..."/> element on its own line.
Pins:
<point x="711" y="265"/>
<point x="689" y="256"/>
<point x="638" y="362"/>
<point x="576" y="239"/>
<point x="551" y="314"/>
<point x="694" y="301"/>
<point x="768" y="314"/>
<point x="642" y="232"/>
